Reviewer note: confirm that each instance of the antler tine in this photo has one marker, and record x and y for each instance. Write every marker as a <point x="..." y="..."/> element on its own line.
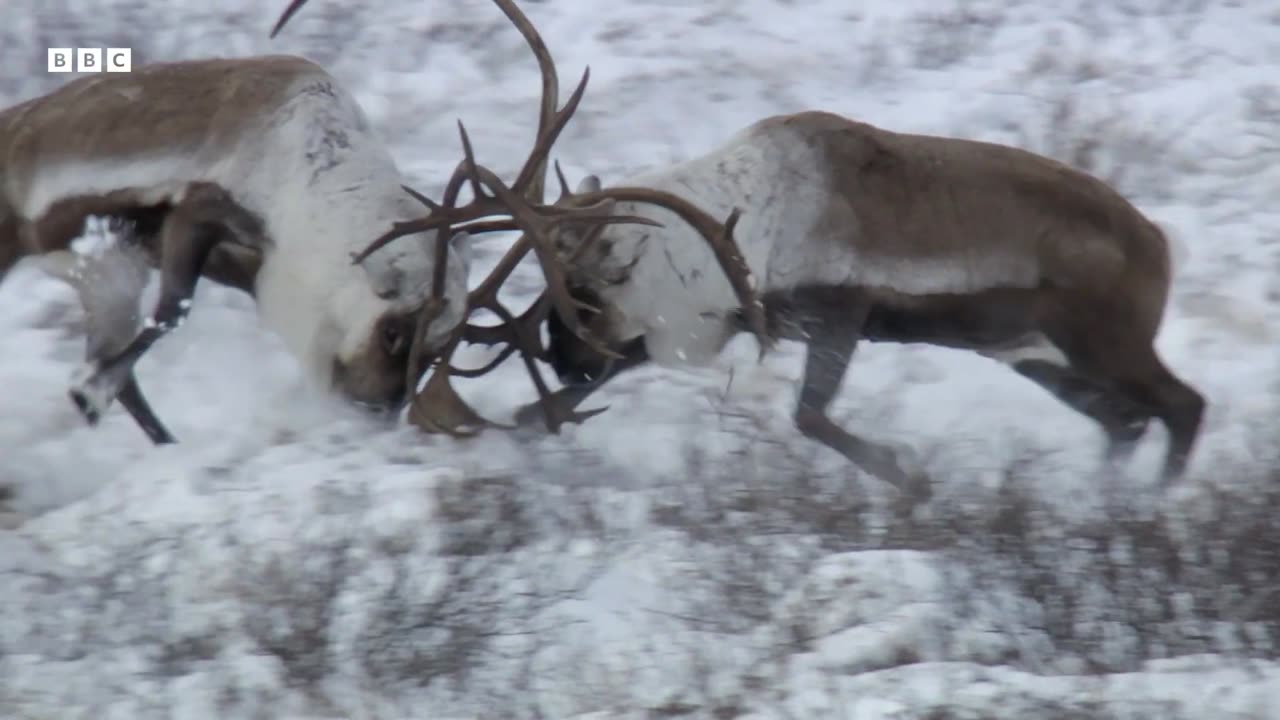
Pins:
<point x="469" y="162"/>
<point x="488" y="367"/>
<point x="719" y="237"/>
<point x="486" y="293"/>
<point x="439" y="409"/>
<point x="438" y="216"/>
<point x="565" y="192"/>
<point x="442" y="217"/>
<point x="555" y="416"/>
<point x="534" y="166"/>
<point x="522" y="333"/>
<point x="537" y="229"/>
<point x="481" y="227"/>
<point x="436" y="304"/>
<point x="463" y="218"/>
<point x="496" y="334"/>
<point x="588" y="240"/>
<point x="288" y="13"/>
<point x="397" y="231"/>
<point x="430" y="204"/>
<point x="550" y="91"/>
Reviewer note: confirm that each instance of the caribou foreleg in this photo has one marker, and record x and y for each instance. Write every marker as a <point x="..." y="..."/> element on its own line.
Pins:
<point x="204" y="217"/>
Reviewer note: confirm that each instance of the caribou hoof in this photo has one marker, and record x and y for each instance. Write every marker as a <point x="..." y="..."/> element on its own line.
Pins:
<point x="901" y="468"/>
<point x="92" y="396"/>
<point x="528" y="415"/>
<point x="915" y="486"/>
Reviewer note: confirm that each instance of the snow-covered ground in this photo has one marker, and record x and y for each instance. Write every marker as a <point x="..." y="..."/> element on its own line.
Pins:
<point x="686" y="553"/>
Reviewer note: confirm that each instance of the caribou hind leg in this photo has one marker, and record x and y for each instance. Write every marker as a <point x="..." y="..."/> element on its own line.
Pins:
<point x="1123" y="420"/>
<point x="1139" y="379"/>
<point x="1036" y="358"/>
<point x="1177" y="404"/>
<point x="1007" y="325"/>
<point x="1119" y="357"/>
<point x="109" y="283"/>
<point x="203" y="218"/>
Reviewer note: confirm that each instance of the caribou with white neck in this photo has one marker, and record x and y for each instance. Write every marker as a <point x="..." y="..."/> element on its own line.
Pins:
<point x="856" y="232"/>
<point x="521" y="206"/>
<point x="260" y="173"/>
<point x="263" y="174"/>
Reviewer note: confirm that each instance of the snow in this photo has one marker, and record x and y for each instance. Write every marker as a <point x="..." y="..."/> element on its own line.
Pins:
<point x="686" y="551"/>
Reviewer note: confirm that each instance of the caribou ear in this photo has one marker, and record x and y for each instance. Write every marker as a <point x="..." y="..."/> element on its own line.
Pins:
<point x="590" y="183"/>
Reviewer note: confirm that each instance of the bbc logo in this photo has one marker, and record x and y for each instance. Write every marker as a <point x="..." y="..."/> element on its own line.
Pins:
<point x="90" y="59"/>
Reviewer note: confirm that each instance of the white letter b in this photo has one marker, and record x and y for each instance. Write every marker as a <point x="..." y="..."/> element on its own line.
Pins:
<point x="59" y="59"/>
<point x="88" y="59"/>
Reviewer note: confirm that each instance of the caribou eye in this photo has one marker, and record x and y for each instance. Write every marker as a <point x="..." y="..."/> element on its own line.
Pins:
<point x="395" y="340"/>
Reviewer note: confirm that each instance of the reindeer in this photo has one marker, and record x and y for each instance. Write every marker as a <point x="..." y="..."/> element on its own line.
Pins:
<point x="259" y="173"/>
<point x="263" y="174"/>
<point x="109" y="276"/>
<point x="857" y="232"/>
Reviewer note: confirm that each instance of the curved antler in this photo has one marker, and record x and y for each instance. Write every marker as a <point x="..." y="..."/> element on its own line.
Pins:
<point x="522" y="206"/>
<point x="285" y="16"/>
<point x="438" y="408"/>
<point x="718" y="235"/>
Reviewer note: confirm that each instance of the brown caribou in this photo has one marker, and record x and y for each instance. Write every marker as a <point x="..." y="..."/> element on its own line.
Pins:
<point x="260" y="173"/>
<point x="263" y="174"/>
<point x="858" y="232"/>
<point x="521" y="206"/>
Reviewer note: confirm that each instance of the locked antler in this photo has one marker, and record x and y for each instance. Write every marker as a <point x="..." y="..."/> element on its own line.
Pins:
<point x="521" y="206"/>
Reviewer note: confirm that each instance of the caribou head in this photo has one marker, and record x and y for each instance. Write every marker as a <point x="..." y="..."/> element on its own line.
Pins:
<point x="522" y="206"/>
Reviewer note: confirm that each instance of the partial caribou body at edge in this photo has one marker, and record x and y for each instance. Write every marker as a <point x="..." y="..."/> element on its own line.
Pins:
<point x="258" y="173"/>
